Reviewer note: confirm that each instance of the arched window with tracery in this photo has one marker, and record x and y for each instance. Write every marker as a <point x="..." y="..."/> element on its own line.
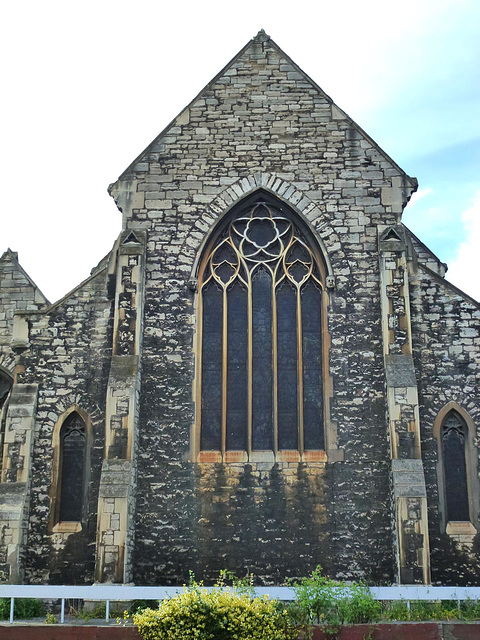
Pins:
<point x="73" y="450"/>
<point x="454" y="443"/>
<point x="260" y="327"/>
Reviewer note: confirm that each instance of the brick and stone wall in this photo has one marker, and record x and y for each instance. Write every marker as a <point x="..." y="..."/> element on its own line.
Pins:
<point x="69" y="357"/>
<point x="446" y="336"/>
<point x="17" y="293"/>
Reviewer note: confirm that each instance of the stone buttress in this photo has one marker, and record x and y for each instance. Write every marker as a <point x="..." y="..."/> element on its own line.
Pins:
<point x="116" y="501"/>
<point x="409" y="491"/>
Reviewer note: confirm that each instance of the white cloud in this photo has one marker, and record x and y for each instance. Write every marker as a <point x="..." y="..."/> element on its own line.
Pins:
<point x="418" y="195"/>
<point x="464" y="270"/>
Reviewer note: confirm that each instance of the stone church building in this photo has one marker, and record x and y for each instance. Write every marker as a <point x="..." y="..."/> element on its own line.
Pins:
<point x="268" y="371"/>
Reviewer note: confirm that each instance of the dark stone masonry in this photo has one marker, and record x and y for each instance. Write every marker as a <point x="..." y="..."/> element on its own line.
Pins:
<point x="268" y="372"/>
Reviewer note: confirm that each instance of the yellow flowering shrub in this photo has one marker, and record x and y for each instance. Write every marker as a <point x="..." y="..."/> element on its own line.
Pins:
<point x="197" y="614"/>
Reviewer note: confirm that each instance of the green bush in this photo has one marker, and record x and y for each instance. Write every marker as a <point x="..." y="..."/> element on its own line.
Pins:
<point x="320" y="600"/>
<point x="24" y="608"/>
<point x="197" y="614"/>
<point x="431" y="610"/>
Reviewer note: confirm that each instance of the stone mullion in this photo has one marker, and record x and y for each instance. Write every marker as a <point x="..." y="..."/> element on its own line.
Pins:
<point x="409" y="490"/>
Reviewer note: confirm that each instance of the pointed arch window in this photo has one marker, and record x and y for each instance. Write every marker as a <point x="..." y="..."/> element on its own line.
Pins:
<point x="454" y="442"/>
<point x="260" y="321"/>
<point x="73" y="450"/>
<point x="457" y="471"/>
<point x="6" y="383"/>
<point x="5" y="388"/>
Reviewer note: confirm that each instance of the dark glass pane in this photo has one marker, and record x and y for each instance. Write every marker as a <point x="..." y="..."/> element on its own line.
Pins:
<point x="261" y="232"/>
<point x="262" y="418"/>
<point x="287" y="367"/>
<point x="310" y="297"/>
<point x="73" y="469"/>
<point x="237" y="371"/>
<point x="455" y="470"/>
<point x="210" y="435"/>
<point x="5" y="385"/>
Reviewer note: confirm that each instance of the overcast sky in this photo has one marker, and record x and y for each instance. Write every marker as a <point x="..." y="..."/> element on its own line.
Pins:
<point x="86" y="86"/>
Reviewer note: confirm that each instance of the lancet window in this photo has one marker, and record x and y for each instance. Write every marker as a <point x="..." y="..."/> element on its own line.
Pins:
<point x="260" y="307"/>
<point x="5" y="388"/>
<point x="73" y="447"/>
<point x="454" y="442"/>
<point x="5" y="392"/>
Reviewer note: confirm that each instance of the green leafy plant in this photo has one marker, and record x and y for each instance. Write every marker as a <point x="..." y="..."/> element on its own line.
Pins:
<point x="198" y="614"/>
<point x="99" y="611"/>
<point x="320" y="600"/>
<point x="51" y="619"/>
<point x="425" y="610"/>
<point x="24" y="608"/>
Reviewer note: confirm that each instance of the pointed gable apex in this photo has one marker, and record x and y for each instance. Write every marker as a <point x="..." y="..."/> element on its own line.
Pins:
<point x="258" y="46"/>
<point x="9" y="261"/>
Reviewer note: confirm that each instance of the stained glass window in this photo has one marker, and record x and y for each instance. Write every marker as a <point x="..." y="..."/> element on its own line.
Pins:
<point x="72" y="473"/>
<point x="5" y="386"/>
<point x="260" y="313"/>
<point x="454" y="435"/>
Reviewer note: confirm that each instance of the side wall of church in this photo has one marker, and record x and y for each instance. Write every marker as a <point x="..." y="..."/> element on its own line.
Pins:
<point x="69" y="358"/>
<point x="17" y="293"/>
<point x="446" y="338"/>
<point x="262" y="124"/>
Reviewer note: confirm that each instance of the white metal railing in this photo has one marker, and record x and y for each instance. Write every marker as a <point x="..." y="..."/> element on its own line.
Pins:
<point x="115" y="593"/>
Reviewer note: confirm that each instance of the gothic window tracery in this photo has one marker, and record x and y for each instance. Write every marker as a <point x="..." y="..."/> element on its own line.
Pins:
<point x="260" y="306"/>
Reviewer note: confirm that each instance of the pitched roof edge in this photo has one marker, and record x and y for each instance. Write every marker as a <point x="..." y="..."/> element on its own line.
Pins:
<point x="413" y="181"/>
<point x="262" y="37"/>
<point x="427" y="249"/>
<point x="449" y="285"/>
<point x="172" y="122"/>
<point x="56" y="304"/>
<point x="13" y="255"/>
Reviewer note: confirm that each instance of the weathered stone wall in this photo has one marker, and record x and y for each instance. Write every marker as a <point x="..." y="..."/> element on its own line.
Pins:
<point x="17" y="293"/>
<point x="69" y="357"/>
<point x="263" y="124"/>
<point x="446" y="336"/>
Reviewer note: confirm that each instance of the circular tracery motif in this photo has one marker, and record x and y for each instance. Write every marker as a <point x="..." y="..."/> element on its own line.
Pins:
<point x="263" y="238"/>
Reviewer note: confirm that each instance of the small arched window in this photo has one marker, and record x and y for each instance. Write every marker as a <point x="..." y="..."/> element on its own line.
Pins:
<point x="260" y="327"/>
<point x="73" y="453"/>
<point x="454" y="443"/>
<point x="5" y="387"/>
<point x="6" y="383"/>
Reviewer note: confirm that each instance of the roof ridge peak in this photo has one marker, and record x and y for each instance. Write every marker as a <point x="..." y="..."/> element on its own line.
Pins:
<point x="261" y="36"/>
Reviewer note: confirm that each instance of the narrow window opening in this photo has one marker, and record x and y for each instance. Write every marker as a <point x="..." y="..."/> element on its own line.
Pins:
<point x="72" y="475"/>
<point x="454" y="438"/>
<point x="5" y="390"/>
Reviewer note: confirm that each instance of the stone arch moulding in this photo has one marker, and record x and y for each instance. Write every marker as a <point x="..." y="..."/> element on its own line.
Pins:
<point x="288" y="194"/>
<point x="463" y="528"/>
<point x="329" y="430"/>
<point x="54" y="524"/>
